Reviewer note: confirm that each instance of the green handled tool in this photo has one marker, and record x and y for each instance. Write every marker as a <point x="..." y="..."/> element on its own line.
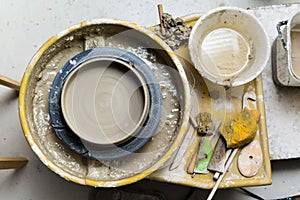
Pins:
<point x="205" y="151"/>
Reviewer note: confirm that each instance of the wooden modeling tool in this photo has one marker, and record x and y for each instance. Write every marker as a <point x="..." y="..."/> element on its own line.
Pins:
<point x="9" y="83"/>
<point x="12" y="163"/>
<point x="160" y="12"/>
<point x="250" y="159"/>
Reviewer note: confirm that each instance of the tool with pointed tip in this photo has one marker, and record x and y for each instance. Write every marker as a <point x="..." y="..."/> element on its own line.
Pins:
<point x="192" y="163"/>
<point x="180" y="151"/>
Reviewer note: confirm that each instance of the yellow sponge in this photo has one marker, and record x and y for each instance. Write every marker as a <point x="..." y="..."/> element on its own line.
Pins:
<point x="241" y="130"/>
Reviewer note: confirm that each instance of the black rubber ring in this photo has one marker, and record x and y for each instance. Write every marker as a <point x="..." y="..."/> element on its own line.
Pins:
<point x="71" y="139"/>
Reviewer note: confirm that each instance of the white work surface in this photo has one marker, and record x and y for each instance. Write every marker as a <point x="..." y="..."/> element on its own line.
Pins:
<point x="25" y="26"/>
<point x="282" y="103"/>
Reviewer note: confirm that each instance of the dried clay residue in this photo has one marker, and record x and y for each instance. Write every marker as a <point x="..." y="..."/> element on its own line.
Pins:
<point x="204" y="122"/>
<point x="177" y="33"/>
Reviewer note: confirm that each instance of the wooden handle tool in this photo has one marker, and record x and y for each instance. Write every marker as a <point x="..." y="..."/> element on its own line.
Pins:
<point x="12" y="163"/>
<point x="9" y="83"/>
<point x="160" y="12"/>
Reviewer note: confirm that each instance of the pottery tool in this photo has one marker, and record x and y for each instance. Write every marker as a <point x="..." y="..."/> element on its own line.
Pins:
<point x="205" y="151"/>
<point x="201" y="125"/>
<point x="228" y="163"/>
<point x="9" y="83"/>
<point x="192" y="163"/>
<point x="193" y="122"/>
<point x="160" y="12"/>
<point x="250" y="159"/>
<point x="220" y="155"/>
<point x="239" y="140"/>
<point x="180" y="152"/>
<point x="203" y="156"/>
<point x="191" y="166"/>
<point x="12" y="163"/>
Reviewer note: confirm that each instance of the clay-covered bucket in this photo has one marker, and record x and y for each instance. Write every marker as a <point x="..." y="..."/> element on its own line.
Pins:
<point x="290" y="38"/>
<point x="285" y="54"/>
<point x="229" y="46"/>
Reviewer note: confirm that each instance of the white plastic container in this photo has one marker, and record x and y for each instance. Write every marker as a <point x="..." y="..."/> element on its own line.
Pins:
<point x="229" y="46"/>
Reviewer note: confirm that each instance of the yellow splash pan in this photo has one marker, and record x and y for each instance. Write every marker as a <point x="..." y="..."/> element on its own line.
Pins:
<point x="222" y="104"/>
<point x="35" y="90"/>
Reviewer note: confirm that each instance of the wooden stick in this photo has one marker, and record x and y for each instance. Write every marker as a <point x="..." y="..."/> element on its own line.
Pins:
<point x="9" y="83"/>
<point x="191" y="167"/>
<point x="12" y="163"/>
<point x="160" y="12"/>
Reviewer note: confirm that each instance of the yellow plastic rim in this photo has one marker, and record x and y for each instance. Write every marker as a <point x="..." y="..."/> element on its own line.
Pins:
<point x="96" y="183"/>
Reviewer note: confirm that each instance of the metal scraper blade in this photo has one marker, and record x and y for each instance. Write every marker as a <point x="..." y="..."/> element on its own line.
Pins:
<point x="218" y="160"/>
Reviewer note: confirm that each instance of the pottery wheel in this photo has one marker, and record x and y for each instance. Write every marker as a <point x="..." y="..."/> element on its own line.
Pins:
<point x="63" y="50"/>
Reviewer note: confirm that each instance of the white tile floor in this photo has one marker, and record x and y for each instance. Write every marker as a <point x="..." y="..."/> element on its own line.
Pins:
<point x="25" y="26"/>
